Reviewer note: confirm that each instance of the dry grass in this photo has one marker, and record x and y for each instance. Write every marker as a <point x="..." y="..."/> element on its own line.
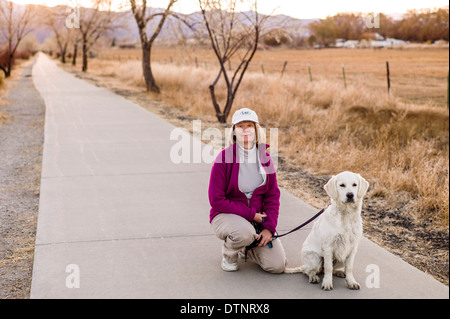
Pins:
<point x="6" y="85"/>
<point x="417" y="75"/>
<point x="3" y="91"/>
<point x="401" y="148"/>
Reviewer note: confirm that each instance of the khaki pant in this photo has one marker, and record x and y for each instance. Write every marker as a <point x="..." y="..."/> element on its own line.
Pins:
<point x="237" y="233"/>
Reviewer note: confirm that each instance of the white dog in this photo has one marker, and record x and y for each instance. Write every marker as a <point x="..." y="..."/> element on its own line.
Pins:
<point x="332" y="243"/>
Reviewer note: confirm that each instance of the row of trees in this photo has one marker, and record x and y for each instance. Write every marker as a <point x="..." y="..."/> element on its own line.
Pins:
<point x="230" y="35"/>
<point x="86" y="28"/>
<point x="421" y="26"/>
<point x="415" y="26"/>
<point x="15" y="24"/>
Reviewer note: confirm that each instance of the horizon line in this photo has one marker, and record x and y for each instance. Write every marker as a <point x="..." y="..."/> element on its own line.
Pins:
<point x="394" y="14"/>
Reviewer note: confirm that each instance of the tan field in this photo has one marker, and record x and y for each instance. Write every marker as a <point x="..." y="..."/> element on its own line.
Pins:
<point x="417" y="75"/>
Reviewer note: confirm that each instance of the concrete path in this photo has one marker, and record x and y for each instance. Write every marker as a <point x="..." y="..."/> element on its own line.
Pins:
<point x="120" y="216"/>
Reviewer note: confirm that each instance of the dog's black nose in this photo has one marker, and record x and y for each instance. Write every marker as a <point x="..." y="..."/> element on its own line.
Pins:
<point x="350" y="196"/>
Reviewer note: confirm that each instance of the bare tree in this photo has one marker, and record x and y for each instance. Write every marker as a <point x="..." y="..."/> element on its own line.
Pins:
<point x="55" y="19"/>
<point x="76" y="40"/>
<point x="95" y="22"/>
<point x="15" y="23"/>
<point x="231" y="34"/>
<point x="143" y="16"/>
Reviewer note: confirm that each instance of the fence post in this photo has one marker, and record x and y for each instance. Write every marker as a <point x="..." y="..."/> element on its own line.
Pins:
<point x="262" y="68"/>
<point x="196" y="62"/>
<point x="343" y="74"/>
<point x="309" y="71"/>
<point x="388" y="77"/>
<point x="284" y="68"/>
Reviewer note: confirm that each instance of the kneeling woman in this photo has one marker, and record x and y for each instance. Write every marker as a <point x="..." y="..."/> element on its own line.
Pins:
<point x="243" y="190"/>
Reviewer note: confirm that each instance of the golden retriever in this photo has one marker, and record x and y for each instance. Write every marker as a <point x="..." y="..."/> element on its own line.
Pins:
<point x="333" y="241"/>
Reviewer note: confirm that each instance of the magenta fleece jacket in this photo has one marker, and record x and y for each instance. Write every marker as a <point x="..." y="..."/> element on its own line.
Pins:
<point x="225" y="196"/>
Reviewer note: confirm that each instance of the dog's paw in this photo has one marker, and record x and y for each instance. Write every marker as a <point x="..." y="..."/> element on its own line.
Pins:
<point x="314" y="279"/>
<point x="353" y="285"/>
<point x="339" y="273"/>
<point x="327" y="285"/>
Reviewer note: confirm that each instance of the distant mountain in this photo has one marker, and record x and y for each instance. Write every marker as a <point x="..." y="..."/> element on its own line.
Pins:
<point x="175" y="30"/>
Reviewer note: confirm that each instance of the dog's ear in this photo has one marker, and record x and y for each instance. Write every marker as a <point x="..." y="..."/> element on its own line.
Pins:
<point x="331" y="188"/>
<point x="362" y="187"/>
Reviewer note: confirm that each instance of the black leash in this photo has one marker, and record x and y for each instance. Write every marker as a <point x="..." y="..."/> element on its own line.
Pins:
<point x="258" y="228"/>
<point x="301" y="226"/>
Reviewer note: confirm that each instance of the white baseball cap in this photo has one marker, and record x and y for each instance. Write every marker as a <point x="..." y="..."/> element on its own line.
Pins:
<point x="244" y="114"/>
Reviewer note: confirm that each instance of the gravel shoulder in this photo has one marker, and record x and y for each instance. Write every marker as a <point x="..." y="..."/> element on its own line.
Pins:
<point x="21" y="143"/>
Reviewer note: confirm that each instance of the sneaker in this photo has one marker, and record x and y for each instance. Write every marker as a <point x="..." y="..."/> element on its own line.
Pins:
<point x="229" y="266"/>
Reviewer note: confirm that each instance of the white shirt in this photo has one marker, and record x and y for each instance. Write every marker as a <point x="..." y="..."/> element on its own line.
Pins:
<point x="251" y="173"/>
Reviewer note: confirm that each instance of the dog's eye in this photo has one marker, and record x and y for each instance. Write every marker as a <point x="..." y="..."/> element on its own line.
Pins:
<point x="342" y="185"/>
<point x="354" y="185"/>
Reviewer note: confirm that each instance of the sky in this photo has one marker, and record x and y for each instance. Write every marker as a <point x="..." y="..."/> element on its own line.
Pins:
<point x="295" y="8"/>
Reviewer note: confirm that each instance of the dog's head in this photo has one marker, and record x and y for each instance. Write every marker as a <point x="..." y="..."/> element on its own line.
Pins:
<point x="347" y="188"/>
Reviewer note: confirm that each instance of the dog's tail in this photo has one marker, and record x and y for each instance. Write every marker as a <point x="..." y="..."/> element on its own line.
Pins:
<point x="294" y="270"/>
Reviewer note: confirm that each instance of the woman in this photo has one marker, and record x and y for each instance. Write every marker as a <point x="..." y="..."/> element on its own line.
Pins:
<point x="243" y="189"/>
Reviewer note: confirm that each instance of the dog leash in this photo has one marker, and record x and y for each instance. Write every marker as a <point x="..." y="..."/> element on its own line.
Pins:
<point x="301" y="226"/>
<point x="256" y="242"/>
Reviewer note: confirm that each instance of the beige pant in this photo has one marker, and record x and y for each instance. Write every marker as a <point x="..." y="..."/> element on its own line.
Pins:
<point x="237" y="233"/>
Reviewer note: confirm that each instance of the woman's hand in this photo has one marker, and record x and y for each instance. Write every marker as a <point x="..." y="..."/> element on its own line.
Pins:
<point x="266" y="237"/>
<point x="259" y="217"/>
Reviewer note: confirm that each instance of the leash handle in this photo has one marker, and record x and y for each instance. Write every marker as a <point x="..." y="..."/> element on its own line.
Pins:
<point x="301" y="226"/>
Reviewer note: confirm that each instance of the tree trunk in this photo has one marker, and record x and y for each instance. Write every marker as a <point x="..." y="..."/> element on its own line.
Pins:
<point x="3" y="69"/>
<point x="63" y="57"/>
<point x="230" y="100"/>
<point x="74" y="59"/>
<point x="64" y="53"/>
<point x="147" y="70"/>
<point x="222" y="116"/>
<point x="9" y="66"/>
<point x="85" y="58"/>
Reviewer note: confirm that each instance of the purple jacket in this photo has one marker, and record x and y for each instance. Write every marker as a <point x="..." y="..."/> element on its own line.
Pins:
<point x="225" y="196"/>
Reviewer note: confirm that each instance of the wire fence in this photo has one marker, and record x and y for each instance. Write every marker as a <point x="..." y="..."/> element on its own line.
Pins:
<point x="412" y="81"/>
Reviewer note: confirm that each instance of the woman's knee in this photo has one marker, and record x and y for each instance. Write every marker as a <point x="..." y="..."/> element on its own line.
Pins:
<point x="275" y="266"/>
<point x="243" y="234"/>
<point x="273" y="260"/>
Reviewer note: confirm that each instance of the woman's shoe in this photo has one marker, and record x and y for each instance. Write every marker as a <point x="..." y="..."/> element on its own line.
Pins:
<point x="229" y="266"/>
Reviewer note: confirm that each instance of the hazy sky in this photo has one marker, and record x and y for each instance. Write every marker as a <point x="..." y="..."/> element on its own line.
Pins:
<point x="295" y="8"/>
